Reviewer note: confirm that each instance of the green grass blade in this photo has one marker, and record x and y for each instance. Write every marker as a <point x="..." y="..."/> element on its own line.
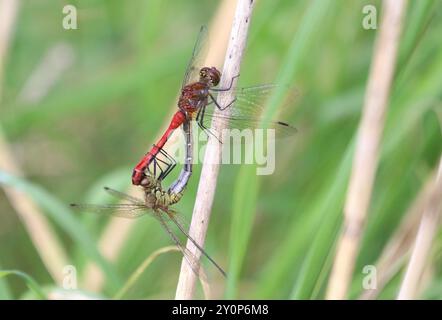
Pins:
<point x="5" y="291"/>
<point x="244" y="201"/>
<point x="65" y="218"/>
<point x="90" y="95"/>
<point x="247" y="184"/>
<point x="403" y="116"/>
<point x="298" y="51"/>
<point x="30" y="282"/>
<point x="330" y="210"/>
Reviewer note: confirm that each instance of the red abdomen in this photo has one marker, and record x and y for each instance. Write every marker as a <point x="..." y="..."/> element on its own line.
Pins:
<point x="138" y="173"/>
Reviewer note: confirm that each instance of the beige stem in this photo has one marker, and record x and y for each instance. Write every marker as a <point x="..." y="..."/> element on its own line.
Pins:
<point x="212" y="158"/>
<point x="367" y="148"/>
<point x="117" y="231"/>
<point x="399" y="246"/>
<point x="427" y="231"/>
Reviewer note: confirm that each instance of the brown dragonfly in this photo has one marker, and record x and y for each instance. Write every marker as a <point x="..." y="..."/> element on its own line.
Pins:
<point x="155" y="203"/>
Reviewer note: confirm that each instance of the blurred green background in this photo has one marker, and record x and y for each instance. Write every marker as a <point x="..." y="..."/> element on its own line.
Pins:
<point x="82" y="119"/>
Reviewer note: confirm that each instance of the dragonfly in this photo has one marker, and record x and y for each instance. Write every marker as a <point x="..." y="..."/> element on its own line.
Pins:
<point x="198" y="92"/>
<point x="156" y="203"/>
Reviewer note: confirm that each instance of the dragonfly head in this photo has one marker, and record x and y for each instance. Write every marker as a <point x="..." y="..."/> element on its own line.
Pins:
<point x="211" y="76"/>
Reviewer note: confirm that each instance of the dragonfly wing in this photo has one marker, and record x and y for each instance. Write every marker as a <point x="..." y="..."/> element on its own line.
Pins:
<point x="198" y="54"/>
<point x="247" y="109"/>
<point x="189" y="256"/>
<point x="125" y="210"/>
<point x="123" y="196"/>
<point x="281" y="129"/>
<point x="173" y="217"/>
<point x="253" y="99"/>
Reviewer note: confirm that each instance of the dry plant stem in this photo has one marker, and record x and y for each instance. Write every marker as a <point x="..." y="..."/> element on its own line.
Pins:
<point x="117" y="231"/>
<point x="367" y="147"/>
<point x="394" y="255"/>
<point x="36" y="224"/>
<point x="212" y="158"/>
<point x="8" y="15"/>
<point x="428" y="228"/>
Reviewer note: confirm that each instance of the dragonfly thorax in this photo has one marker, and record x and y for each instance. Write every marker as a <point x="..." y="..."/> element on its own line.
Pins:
<point x="155" y="196"/>
<point x="194" y="96"/>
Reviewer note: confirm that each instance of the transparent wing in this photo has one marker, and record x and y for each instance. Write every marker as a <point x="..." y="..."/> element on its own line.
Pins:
<point x="171" y="215"/>
<point x="188" y="256"/>
<point x="123" y="196"/>
<point x="124" y="210"/>
<point x="198" y="54"/>
<point x="181" y="220"/>
<point x="282" y="129"/>
<point x="246" y="111"/>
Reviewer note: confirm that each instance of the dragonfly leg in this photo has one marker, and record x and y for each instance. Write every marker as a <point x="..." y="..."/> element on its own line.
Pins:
<point x="158" y="164"/>
<point x="229" y="87"/>
<point x="155" y="167"/>
<point x="170" y="166"/>
<point x="217" y="104"/>
<point x="168" y="162"/>
<point x="168" y="156"/>
<point x="200" y="121"/>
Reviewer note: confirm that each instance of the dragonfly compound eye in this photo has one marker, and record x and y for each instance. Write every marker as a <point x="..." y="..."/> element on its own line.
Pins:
<point x="214" y="75"/>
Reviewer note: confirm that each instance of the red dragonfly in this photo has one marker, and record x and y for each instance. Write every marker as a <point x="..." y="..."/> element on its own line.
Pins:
<point x="197" y="92"/>
<point x="156" y="203"/>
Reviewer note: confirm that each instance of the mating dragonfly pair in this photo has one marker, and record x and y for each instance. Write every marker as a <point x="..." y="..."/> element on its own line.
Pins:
<point x="197" y="102"/>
